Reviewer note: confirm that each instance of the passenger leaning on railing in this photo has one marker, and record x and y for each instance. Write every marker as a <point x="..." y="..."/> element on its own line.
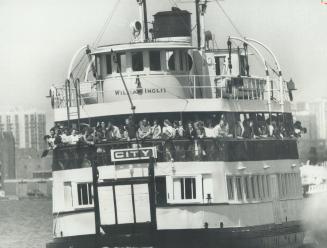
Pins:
<point x="74" y="137"/>
<point x="239" y="130"/>
<point x="130" y="128"/>
<point x="144" y="131"/>
<point x="168" y="133"/>
<point x="221" y="130"/>
<point x="199" y="145"/>
<point x="254" y="126"/>
<point x="249" y="132"/>
<point x="156" y="130"/>
<point x="112" y="132"/>
<point x="101" y="130"/>
<point x="180" y="129"/>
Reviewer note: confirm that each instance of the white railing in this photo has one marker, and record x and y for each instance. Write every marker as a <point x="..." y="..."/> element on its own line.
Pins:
<point x="192" y="86"/>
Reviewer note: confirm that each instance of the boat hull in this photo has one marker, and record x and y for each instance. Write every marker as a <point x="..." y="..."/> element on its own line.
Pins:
<point x="286" y="235"/>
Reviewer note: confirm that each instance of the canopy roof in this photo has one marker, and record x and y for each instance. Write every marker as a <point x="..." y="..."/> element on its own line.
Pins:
<point x="144" y="46"/>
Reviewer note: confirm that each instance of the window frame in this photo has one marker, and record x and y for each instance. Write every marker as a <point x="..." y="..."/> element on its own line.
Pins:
<point x="221" y="66"/>
<point x="75" y="195"/>
<point x="254" y="188"/>
<point x="230" y="191"/>
<point x="111" y="63"/>
<point x="167" y="58"/>
<point x="171" y="199"/>
<point x="160" y="60"/>
<point x="119" y="62"/>
<point x="132" y="54"/>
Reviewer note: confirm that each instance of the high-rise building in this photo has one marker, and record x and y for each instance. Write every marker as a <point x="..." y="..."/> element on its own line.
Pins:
<point x="7" y="156"/>
<point x="27" y="126"/>
<point x="313" y="115"/>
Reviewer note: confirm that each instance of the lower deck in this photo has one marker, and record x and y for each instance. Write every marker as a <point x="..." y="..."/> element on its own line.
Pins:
<point x="181" y="196"/>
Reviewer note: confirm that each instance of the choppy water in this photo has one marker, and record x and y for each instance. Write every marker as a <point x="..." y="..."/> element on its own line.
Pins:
<point x="28" y="223"/>
<point x="25" y="223"/>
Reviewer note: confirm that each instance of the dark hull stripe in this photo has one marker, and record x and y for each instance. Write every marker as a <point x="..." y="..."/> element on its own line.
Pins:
<point x="270" y="236"/>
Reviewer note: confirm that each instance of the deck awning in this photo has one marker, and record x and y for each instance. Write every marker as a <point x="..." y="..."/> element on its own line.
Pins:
<point x="144" y="46"/>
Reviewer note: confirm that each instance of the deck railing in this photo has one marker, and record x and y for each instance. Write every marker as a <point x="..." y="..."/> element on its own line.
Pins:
<point x="192" y="86"/>
<point x="180" y="150"/>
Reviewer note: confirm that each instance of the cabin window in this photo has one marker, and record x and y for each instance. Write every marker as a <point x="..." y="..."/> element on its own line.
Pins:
<point x="170" y="57"/>
<point x="186" y="189"/>
<point x="260" y="187"/>
<point x="254" y="187"/>
<point x="137" y="61"/>
<point x="155" y="61"/>
<point x="68" y="194"/>
<point x="84" y="191"/>
<point x="288" y="184"/>
<point x="247" y="187"/>
<point x="220" y="62"/>
<point x="108" y="64"/>
<point x="239" y="188"/>
<point x="230" y="188"/>
<point x="121" y="62"/>
<point x="268" y="186"/>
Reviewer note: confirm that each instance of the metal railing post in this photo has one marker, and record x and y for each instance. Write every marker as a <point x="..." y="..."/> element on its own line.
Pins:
<point x="67" y="102"/>
<point x="194" y="87"/>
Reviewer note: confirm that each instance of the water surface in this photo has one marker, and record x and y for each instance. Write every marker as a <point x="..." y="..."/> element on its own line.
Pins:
<point x="25" y="223"/>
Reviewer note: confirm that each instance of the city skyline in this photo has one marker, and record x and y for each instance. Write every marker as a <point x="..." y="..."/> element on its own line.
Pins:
<point x="28" y="126"/>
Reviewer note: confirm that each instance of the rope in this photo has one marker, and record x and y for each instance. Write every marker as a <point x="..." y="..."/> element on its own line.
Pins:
<point x="240" y="34"/>
<point x="229" y="19"/>
<point x="105" y="25"/>
<point x="79" y="62"/>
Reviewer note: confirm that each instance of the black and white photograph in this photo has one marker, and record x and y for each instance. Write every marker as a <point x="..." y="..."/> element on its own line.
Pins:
<point x="163" y="124"/>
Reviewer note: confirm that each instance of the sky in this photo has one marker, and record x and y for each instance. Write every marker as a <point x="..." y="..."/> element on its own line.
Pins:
<point x="39" y="37"/>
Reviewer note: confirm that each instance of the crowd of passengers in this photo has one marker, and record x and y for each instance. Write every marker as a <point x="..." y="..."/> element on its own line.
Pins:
<point x="168" y="130"/>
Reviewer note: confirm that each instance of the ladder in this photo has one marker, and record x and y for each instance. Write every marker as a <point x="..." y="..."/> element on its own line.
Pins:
<point x="73" y="101"/>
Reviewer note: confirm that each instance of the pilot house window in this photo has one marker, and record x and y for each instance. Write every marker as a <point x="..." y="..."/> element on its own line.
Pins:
<point x="137" y="61"/>
<point x="121" y="62"/>
<point x="108" y="64"/>
<point x="155" y="61"/>
<point x="170" y="56"/>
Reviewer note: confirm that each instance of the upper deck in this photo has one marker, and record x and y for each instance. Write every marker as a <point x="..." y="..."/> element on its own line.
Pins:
<point x="171" y="74"/>
<point x="168" y="70"/>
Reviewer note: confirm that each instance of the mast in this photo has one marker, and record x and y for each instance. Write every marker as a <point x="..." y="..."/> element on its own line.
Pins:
<point x="198" y="25"/>
<point x="144" y="18"/>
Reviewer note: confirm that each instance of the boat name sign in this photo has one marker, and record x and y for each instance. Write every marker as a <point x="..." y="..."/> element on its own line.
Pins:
<point x="141" y="153"/>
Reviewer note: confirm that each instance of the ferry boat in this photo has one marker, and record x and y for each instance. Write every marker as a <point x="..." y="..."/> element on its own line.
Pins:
<point x="314" y="179"/>
<point x="196" y="190"/>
